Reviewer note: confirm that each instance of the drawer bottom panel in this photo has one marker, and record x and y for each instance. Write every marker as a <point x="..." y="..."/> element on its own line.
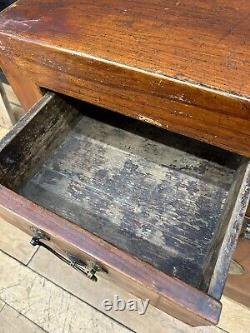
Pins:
<point x="137" y="191"/>
<point x="155" y="212"/>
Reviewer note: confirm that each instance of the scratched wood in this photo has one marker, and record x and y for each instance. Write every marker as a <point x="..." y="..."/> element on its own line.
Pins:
<point x="138" y="188"/>
<point x="159" y="202"/>
<point x="46" y="131"/>
<point x="23" y="150"/>
<point x="183" y="65"/>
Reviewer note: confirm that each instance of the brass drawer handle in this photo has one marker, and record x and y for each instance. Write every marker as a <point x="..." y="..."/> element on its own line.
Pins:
<point x="89" y="269"/>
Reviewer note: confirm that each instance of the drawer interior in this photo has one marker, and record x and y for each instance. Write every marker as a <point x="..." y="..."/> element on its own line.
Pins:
<point x="157" y="195"/>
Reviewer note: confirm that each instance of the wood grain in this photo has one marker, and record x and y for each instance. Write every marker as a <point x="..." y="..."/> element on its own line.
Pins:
<point x="45" y="130"/>
<point x="229" y="229"/>
<point x="10" y="94"/>
<point x="137" y="187"/>
<point x="36" y="132"/>
<point x="173" y="64"/>
<point x="12" y="101"/>
<point x="166" y="293"/>
<point x="26" y="90"/>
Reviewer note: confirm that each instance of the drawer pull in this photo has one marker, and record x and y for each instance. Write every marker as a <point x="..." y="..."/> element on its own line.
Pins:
<point x="89" y="269"/>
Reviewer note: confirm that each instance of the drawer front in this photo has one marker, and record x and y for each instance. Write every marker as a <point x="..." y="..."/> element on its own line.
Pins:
<point x="166" y="293"/>
<point x="21" y="152"/>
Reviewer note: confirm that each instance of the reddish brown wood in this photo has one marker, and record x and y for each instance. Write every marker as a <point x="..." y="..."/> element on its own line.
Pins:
<point x="238" y="286"/>
<point x="167" y="293"/>
<point x="180" y="65"/>
<point x="25" y="89"/>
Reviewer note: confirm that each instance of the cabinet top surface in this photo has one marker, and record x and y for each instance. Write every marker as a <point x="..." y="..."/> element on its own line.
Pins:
<point x="204" y="42"/>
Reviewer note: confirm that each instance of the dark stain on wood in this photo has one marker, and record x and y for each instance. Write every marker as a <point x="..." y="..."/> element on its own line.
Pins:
<point x="22" y="151"/>
<point x="173" y="204"/>
<point x="135" y="189"/>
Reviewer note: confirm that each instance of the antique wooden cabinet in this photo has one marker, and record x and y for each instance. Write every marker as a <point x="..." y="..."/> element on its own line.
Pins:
<point x="133" y="159"/>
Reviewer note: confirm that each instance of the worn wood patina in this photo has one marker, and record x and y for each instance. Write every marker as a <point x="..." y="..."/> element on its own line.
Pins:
<point x="139" y="190"/>
<point x="182" y="65"/>
<point x="159" y="213"/>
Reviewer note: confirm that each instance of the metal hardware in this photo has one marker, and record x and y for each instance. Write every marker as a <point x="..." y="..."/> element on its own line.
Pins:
<point x="38" y="233"/>
<point x="89" y="269"/>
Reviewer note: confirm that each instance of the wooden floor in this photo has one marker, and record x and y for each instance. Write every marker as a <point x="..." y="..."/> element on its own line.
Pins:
<point x="39" y="293"/>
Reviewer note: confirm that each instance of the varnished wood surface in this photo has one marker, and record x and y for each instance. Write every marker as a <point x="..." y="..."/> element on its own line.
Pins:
<point x="182" y="65"/>
<point x="204" y="42"/>
<point x="26" y="90"/>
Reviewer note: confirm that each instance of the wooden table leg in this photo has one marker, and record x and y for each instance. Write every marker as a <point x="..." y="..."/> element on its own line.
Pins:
<point x="25" y="89"/>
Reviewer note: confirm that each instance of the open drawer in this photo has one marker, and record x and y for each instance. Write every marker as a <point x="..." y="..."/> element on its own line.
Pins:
<point x="157" y="213"/>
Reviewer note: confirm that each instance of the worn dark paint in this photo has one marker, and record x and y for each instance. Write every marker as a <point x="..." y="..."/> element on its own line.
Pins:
<point x="145" y="196"/>
<point x="230" y="228"/>
<point x="98" y="159"/>
<point x="5" y="3"/>
<point x="23" y="152"/>
<point x="139" y="278"/>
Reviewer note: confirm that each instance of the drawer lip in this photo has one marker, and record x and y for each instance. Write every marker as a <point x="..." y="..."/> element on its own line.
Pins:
<point x="190" y="304"/>
<point x="237" y="203"/>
